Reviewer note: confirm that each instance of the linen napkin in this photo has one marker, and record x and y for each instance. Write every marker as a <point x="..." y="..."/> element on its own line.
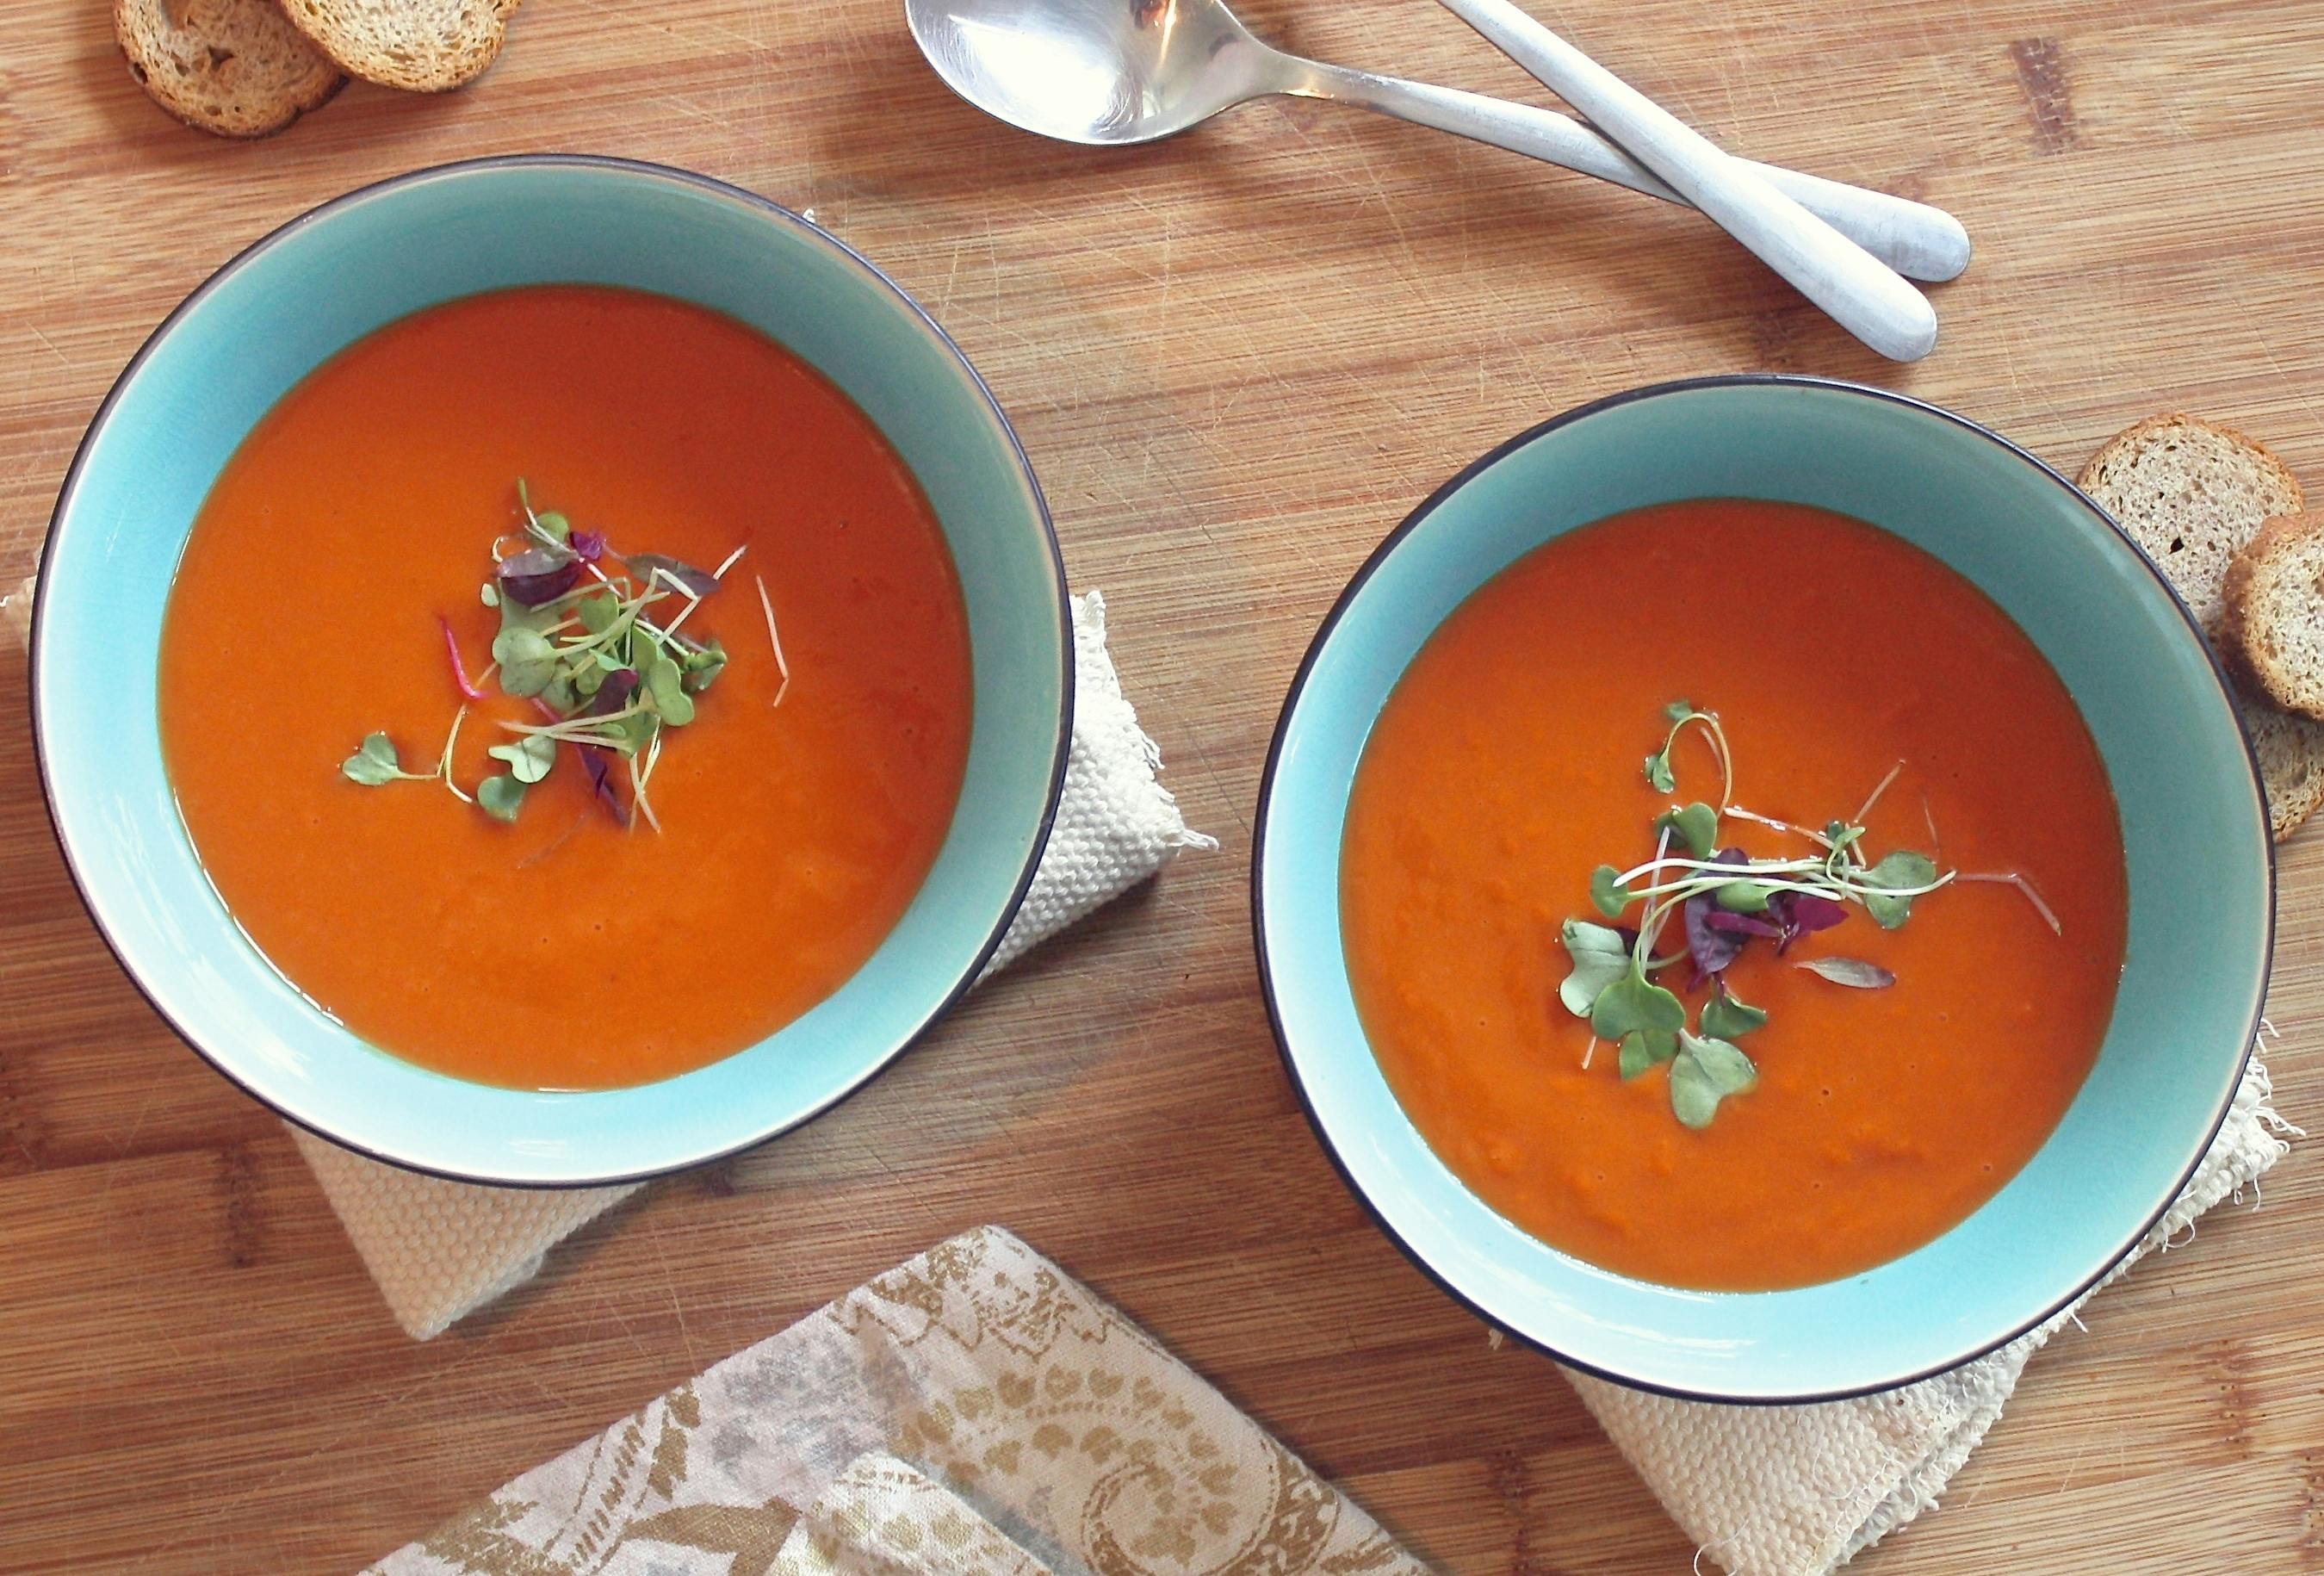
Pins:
<point x="1799" y="1490"/>
<point x="976" y="1398"/>
<point x="440" y="1251"/>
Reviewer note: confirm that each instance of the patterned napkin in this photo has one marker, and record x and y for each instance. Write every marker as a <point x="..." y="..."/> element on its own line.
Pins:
<point x="1799" y="1490"/>
<point x="440" y="1251"/>
<point x="973" y="1411"/>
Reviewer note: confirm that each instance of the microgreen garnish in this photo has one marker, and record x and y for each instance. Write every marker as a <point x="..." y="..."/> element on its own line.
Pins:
<point x="1707" y="1071"/>
<point x="374" y="763"/>
<point x="1854" y="973"/>
<point x="598" y="652"/>
<point x="1723" y="900"/>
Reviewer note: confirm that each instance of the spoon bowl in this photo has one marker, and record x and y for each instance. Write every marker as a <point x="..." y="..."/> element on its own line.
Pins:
<point x="1099" y="72"/>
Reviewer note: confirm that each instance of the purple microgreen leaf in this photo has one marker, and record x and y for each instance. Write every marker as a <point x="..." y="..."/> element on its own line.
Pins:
<point x="655" y="569"/>
<point x="1711" y="947"/>
<point x="1853" y="972"/>
<point x="1742" y="924"/>
<point x="614" y="692"/>
<point x="1810" y="913"/>
<point x="538" y="575"/>
<point x="588" y="545"/>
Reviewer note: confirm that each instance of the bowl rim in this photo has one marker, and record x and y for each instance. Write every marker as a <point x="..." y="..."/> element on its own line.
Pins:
<point x="633" y="170"/>
<point x="1381" y="554"/>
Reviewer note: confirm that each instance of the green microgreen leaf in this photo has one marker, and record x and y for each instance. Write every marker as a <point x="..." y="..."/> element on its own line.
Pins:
<point x="665" y="685"/>
<point x="516" y="615"/>
<point x="527" y="659"/>
<point x="491" y="593"/>
<point x="502" y="796"/>
<point x="1659" y="776"/>
<point x="1706" y="1072"/>
<point x="1641" y="1051"/>
<point x="1853" y="972"/>
<point x="1630" y="1005"/>
<point x="1678" y="710"/>
<point x="630" y="733"/>
<point x="1726" y="1017"/>
<point x="1697" y="827"/>
<point x="528" y="758"/>
<point x="1743" y="897"/>
<point x="703" y="666"/>
<point x="1606" y="892"/>
<point x="553" y="523"/>
<point x="1600" y="956"/>
<point x="1898" y="868"/>
<point x="374" y="761"/>
<point x="598" y="610"/>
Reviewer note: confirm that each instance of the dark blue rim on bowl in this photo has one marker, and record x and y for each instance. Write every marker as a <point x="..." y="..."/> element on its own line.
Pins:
<point x="1380" y="555"/>
<point x="641" y="170"/>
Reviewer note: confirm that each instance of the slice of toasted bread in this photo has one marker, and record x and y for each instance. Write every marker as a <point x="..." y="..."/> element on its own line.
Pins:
<point x="2291" y="751"/>
<point x="234" y="66"/>
<point x="2271" y="624"/>
<point x="422" y="46"/>
<point x="2191" y="492"/>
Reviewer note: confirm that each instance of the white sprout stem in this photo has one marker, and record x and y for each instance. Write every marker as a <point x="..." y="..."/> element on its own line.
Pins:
<point x="1894" y="772"/>
<point x="1718" y="737"/>
<point x="1936" y="843"/>
<point x="581" y="730"/>
<point x="653" y="758"/>
<point x="638" y="797"/>
<point x="1589" y="1051"/>
<point x="692" y="602"/>
<point x="1741" y="814"/>
<point x="767" y="604"/>
<point x="1650" y="921"/>
<point x="2010" y="879"/>
<point x="1679" y="891"/>
<point x="1741" y="871"/>
<point x="443" y="761"/>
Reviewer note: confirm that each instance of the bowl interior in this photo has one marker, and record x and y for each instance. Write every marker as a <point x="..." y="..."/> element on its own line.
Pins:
<point x="291" y="302"/>
<point x="2194" y="825"/>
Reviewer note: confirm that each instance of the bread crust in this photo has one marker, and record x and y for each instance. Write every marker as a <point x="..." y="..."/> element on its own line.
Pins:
<point x="231" y="67"/>
<point x="2124" y="443"/>
<point x="2245" y="622"/>
<point x="420" y="46"/>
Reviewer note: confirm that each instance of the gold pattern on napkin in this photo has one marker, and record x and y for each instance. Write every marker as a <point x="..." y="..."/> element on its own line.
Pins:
<point x="982" y="1368"/>
<point x="884" y="1517"/>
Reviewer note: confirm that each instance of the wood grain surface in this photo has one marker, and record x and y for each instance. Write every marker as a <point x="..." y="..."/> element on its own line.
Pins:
<point x="1236" y="359"/>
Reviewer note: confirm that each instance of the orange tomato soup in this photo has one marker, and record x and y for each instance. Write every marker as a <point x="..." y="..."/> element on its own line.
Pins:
<point x="563" y="951"/>
<point x="1506" y="766"/>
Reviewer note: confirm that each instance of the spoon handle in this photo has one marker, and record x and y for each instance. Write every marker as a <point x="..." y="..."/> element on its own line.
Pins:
<point x="1860" y="293"/>
<point x="1917" y="240"/>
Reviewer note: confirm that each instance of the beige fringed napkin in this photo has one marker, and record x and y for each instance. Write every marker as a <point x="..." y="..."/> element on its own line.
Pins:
<point x="1798" y="1491"/>
<point x="973" y="1411"/>
<point x="440" y="1251"/>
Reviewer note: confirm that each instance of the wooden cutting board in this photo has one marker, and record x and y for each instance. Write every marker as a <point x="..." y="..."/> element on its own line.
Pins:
<point x="1236" y="359"/>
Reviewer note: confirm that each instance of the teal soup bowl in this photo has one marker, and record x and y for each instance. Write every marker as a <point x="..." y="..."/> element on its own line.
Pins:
<point x="2197" y="852"/>
<point x="288" y="304"/>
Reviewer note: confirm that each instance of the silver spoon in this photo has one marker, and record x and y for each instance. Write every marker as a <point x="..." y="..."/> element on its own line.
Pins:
<point x="1859" y="293"/>
<point x="1108" y="73"/>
